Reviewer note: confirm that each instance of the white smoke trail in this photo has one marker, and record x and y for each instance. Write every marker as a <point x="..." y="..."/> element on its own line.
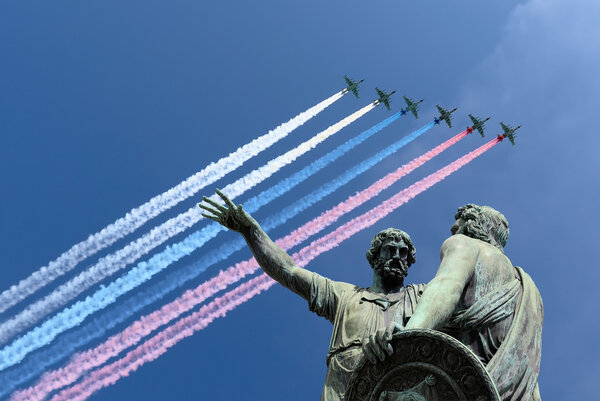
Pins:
<point x="140" y="215"/>
<point x="109" y="265"/>
<point x="162" y="341"/>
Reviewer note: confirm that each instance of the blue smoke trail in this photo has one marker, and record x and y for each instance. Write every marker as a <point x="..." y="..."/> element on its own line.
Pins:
<point x="108" y="319"/>
<point x="326" y="189"/>
<point x="75" y="314"/>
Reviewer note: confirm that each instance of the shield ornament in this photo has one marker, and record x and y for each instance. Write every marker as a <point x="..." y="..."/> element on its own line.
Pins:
<point x="427" y="365"/>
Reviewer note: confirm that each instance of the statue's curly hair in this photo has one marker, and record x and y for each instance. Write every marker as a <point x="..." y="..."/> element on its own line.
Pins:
<point x="390" y="233"/>
<point x="484" y="223"/>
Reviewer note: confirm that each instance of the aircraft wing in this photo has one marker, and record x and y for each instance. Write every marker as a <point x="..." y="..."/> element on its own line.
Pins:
<point x="387" y="104"/>
<point x="477" y="124"/>
<point x="355" y="91"/>
<point x="449" y="121"/>
<point x="408" y="101"/>
<point x="348" y="80"/>
<point x="440" y="110"/>
<point x="379" y="92"/>
<point x="505" y="128"/>
<point x="414" y="111"/>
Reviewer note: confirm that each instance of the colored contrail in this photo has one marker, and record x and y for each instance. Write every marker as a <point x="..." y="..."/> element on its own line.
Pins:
<point x="90" y="359"/>
<point x="140" y="215"/>
<point x="185" y="327"/>
<point x="217" y="308"/>
<point x="76" y="313"/>
<point x="71" y="341"/>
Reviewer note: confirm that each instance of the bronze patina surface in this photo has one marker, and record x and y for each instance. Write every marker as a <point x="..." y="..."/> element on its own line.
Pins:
<point x="426" y="365"/>
<point x="491" y="308"/>
<point x="363" y="318"/>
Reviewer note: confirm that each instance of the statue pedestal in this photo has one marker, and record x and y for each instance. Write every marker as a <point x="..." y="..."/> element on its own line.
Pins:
<point x="426" y="365"/>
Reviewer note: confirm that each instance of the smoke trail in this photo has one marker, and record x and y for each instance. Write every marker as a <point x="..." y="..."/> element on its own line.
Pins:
<point x="138" y="216"/>
<point x="217" y="308"/>
<point x="330" y="187"/>
<point x="36" y="363"/>
<point x="185" y="327"/>
<point x="369" y="218"/>
<point x="76" y="313"/>
<point x="135" y="332"/>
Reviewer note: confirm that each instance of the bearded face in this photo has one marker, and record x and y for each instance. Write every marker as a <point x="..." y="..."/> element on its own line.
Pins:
<point x="392" y="264"/>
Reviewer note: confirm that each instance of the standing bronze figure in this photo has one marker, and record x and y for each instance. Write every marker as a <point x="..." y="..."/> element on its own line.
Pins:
<point x="478" y="297"/>
<point x="363" y="318"/>
<point x="491" y="306"/>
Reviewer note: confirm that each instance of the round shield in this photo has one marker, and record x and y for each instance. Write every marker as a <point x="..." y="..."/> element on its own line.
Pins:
<point x="426" y="365"/>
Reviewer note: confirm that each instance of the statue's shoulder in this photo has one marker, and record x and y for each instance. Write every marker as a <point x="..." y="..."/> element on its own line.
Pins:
<point x="414" y="291"/>
<point x="415" y="287"/>
<point x="347" y="287"/>
<point x="458" y="240"/>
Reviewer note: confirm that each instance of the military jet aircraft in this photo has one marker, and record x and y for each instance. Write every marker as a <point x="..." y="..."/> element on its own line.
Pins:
<point x="383" y="98"/>
<point x="412" y="106"/>
<point x="509" y="133"/>
<point x="477" y="125"/>
<point x="352" y="86"/>
<point x="445" y="115"/>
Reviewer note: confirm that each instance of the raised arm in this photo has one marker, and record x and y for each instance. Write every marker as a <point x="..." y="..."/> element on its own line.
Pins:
<point x="273" y="260"/>
<point x="442" y="294"/>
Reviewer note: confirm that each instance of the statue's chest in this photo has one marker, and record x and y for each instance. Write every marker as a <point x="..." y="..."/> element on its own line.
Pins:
<point x="364" y="314"/>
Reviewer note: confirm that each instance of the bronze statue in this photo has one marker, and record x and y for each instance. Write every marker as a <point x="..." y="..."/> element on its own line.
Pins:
<point x="363" y="318"/>
<point x="478" y="297"/>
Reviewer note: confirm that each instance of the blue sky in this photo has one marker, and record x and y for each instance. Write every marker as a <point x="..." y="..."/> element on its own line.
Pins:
<point x="106" y="104"/>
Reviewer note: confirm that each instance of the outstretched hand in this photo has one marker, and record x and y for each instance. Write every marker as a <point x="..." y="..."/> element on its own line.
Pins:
<point x="232" y="216"/>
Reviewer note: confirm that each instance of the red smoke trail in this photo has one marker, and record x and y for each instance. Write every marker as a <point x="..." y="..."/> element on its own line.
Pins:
<point x="90" y="359"/>
<point x="369" y="218"/>
<point x="161" y="342"/>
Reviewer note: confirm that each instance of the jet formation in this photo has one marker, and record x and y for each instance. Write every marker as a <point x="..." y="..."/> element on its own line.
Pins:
<point x="445" y="115"/>
<point x="384" y="97"/>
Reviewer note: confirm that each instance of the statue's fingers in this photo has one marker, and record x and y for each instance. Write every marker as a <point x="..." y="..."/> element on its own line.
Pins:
<point x="211" y="217"/>
<point x="389" y="331"/>
<point x="379" y="352"/>
<point x="385" y="340"/>
<point x="377" y="346"/>
<point x="215" y="204"/>
<point x="383" y="344"/>
<point x="228" y="202"/>
<point x="369" y="354"/>
<point x="210" y="209"/>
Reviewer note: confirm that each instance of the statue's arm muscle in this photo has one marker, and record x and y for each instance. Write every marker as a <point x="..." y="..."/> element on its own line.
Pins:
<point x="442" y="294"/>
<point x="273" y="260"/>
<point x="276" y="262"/>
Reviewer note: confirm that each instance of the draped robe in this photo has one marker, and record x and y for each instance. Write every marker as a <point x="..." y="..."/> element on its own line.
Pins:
<point x="356" y="313"/>
<point x="513" y="358"/>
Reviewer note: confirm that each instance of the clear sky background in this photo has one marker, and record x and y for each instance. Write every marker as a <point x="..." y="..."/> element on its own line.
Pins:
<point x="105" y="104"/>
